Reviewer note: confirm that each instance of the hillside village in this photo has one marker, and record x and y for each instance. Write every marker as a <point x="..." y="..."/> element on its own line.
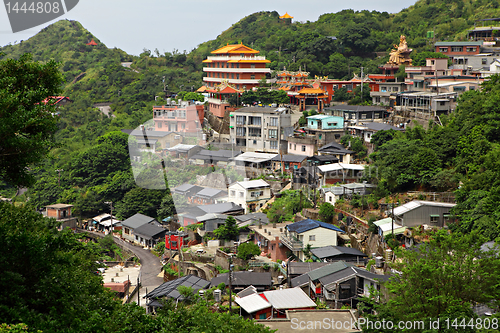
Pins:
<point x="280" y="204"/>
<point x="329" y="252"/>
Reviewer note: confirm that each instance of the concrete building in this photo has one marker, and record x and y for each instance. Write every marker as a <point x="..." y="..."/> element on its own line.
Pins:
<point x="353" y="114"/>
<point x="249" y="194"/>
<point x="298" y="235"/>
<point x="184" y="117"/>
<point x="260" y="128"/>
<point x="268" y="238"/>
<point x="62" y="213"/>
<point x="418" y="212"/>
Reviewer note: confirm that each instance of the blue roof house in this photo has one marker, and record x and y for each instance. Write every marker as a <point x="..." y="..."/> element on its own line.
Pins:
<point x="325" y="122"/>
<point x="297" y="235"/>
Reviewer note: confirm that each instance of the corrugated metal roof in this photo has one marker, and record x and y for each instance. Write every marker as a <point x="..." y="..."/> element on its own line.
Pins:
<point x="250" y="290"/>
<point x="254" y="157"/>
<point x="149" y="230"/>
<point x="290" y="158"/>
<point x="327" y="270"/>
<point x="252" y="303"/>
<point x="137" y="220"/>
<point x="340" y="166"/>
<point x="308" y="224"/>
<point x="332" y="251"/>
<point x="295" y="268"/>
<point x="418" y="203"/>
<point x="329" y="281"/>
<point x="252" y="183"/>
<point x="181" y="147"/>
<point x="169" y="289"/>
<point x="244" y="278"/>
<point x="291" y="298"/>
<point x="209" y="192"/>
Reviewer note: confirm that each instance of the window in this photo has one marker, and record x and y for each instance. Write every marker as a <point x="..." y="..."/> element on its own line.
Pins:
<point x="274" y="121"/>
<point x="233" y="193"/>
<point x="303" y="148"/>
<point x="290" y="146"/>
<point x="159" y="124"/>
<point x="240" y="131"/>
<point x="127" y="231"/>
<point x="312" y="238"/>
<point x="383" y="89"/>
<point x="294" y="146"/>
<point x="237" y="76"/>
<point x="457" y="49"/>
<point x="254" y="132"/>
<point x="273" y="145"/>
<point x="330" y="198"/>
<point x="183" y="126"/>
<point x="252" y="66"/>
<point x="395" y="88"/>
<point x="241" y="194"/>
<point x="273" y="133"/>
<point x="434" y="219"/>
<point x="471" y="49"/>
<point x="232" y="76"/>
<point x="376" y="115"/>
<point x="443" y="49"/>
<point x="484" y="61"/>
<point x="252" y="77"/>
<point x="433" y="62"/>
<point x="240" y="120"/>
<point x="363" y="116"/>
<point x="254" y="121"/>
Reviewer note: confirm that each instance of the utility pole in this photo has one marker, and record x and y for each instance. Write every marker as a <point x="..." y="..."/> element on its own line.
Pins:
<point x="111" y="205"/>
<point x="59" y="179"/>
<point x="361" y="83"/>
<point x="230" y="281"/>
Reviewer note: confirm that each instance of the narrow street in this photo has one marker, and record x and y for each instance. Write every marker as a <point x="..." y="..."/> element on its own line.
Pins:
<point x="151" y="267"/>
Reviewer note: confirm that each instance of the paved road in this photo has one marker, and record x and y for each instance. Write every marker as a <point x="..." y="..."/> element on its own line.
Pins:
<point x="151" y="267"/>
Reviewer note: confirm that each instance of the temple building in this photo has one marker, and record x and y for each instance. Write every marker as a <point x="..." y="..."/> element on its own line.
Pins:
<point x="92" y="42"/>
<point x="239" y="65"/>
<point x="218" y="100"/>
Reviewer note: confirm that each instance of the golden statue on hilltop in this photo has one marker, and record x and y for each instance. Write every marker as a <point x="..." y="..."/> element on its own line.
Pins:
<point x="401" y="54"/>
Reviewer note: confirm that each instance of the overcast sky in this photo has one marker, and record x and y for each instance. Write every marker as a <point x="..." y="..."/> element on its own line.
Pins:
<point x="182" y="24"/>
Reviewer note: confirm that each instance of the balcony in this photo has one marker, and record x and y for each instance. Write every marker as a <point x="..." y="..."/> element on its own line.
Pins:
<point x="236" y="70"/>
<point x="291" y="243"/>
<point x="224" y="58"/>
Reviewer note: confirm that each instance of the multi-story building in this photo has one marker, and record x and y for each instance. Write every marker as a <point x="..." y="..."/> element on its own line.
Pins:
<point x="249" y="194"/>
<point x="386" y="89"/>
<point x="260" y="128"/>
<point x="183" y="118"/>
<point x="353" y="114"/>
<point x="453" y="49"/>
<point x="238" y="64"/>
<point x="417" y="75"/>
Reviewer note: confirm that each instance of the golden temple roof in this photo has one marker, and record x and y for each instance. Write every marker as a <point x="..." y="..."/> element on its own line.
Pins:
<point x="237" y="48"/>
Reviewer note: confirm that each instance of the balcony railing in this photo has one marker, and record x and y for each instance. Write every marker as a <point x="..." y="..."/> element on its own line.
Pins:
<point x="291" y="243"/>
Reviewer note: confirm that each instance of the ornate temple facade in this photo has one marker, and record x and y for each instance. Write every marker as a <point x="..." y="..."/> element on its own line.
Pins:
<point x="239" y="65"/>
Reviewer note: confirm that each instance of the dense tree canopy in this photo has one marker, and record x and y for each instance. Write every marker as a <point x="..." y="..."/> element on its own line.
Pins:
<point x="27" y="112"/>
<point x="441" y="279"/>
